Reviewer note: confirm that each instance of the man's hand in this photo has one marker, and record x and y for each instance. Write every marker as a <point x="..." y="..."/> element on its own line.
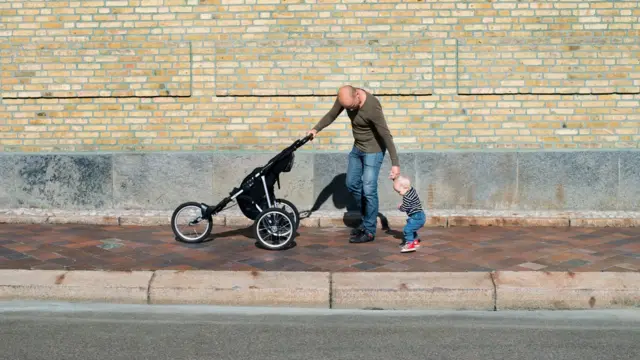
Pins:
<point x="395" y="172"/>
<point x="313" y="133"/>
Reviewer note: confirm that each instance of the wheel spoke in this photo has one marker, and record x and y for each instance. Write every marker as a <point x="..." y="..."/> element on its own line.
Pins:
<point x="187" y="228"/>
<point x="274" y="228"/>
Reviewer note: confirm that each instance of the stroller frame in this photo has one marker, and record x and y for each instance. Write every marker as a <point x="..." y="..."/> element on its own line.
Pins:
<point x="273" y="227"/>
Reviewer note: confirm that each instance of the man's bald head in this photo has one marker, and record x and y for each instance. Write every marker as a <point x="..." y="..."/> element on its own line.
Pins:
<point x="348" y="97"/>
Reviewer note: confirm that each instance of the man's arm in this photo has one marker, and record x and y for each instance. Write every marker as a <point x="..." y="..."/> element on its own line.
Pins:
<point x="330" y="117"/>
<point x="380" y="125"/>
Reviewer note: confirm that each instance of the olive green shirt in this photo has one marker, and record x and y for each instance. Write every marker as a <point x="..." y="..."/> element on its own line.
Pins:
<point x="369" y="127"/>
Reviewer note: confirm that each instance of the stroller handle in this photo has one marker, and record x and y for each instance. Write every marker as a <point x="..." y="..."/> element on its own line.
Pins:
<point x="302" y="141"/>
<point x="307" y="138"/>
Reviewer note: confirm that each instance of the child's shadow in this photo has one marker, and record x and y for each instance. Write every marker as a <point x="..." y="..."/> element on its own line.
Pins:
<point x="395" y="233"/>
<point x="387" y="229"/>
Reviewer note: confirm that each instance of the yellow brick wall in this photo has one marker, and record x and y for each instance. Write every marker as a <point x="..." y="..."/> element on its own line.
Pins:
<point x="129" y="75"/>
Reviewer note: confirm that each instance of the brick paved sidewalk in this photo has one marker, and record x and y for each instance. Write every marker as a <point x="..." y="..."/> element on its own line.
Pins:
<point x="78" y="247"/>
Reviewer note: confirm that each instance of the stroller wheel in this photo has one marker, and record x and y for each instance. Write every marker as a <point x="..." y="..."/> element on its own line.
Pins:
<point x="274" y="228"/>
<point x="188" y="225"/>
<point x="288" y="206"/>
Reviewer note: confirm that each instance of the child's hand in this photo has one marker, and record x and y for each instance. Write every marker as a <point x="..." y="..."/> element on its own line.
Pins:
<point x="400" y="207"/>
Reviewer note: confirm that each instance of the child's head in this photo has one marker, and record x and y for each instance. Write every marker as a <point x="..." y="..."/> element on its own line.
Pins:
<point x="401" y="185"/>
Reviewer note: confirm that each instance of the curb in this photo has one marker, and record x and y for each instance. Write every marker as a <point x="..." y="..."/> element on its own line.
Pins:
<point x="437" y="291"/>
<point x="566" y="290"/>
<point x="332" y="222"/>
<point x="241" y="288"/>
<point x="98" y="286"/>
<point x="489" y="291"/>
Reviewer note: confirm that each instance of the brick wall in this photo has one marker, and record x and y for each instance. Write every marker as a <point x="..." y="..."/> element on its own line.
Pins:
<point x="123" y="75"/>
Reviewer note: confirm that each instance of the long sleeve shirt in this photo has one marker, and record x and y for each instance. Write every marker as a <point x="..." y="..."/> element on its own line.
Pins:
<point x="411" y="202"/>
<point x="369" y="127"/>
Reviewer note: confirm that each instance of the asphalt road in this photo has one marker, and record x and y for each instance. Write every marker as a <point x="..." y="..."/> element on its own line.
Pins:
<point x="91" y="332"/>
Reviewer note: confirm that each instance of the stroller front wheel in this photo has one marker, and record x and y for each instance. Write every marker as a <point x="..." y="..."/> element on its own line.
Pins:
<point x="274" y="228"/>
<point x="188" y="225"/>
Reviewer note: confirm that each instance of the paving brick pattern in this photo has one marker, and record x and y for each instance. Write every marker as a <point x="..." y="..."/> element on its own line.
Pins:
<point x="82" y="247"/>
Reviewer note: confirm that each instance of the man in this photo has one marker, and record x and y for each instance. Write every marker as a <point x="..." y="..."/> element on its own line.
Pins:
<point x="371" y="139"/>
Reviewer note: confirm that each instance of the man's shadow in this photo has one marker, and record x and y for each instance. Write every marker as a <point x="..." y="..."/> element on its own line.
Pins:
<point x="342" y="199"/>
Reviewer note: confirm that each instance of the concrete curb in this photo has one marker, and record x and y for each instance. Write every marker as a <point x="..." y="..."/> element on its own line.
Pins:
<point x="241" y="288"/>
<point x="566" y="290"/>
<point x="501" y="290"/>
<point x="330" y="221"/>
<point x="101" y="286"/>
<point x="452" y="291"/>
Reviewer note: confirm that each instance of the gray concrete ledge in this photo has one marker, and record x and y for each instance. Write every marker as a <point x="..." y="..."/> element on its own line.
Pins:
<point x="566" y="290"/>
<point x="494" y="291"/>
<point x="239" y="288"/>
<point x="97" y="286"/>
<point x="457" y="291"/>
<point x="576" y="180"/>
<point x="435" y="218"/>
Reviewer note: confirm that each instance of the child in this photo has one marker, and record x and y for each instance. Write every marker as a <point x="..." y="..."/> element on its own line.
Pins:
<point x="412" y="206"/>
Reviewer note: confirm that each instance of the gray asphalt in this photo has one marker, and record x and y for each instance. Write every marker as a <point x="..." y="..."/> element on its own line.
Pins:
<point x="90" y="332"/>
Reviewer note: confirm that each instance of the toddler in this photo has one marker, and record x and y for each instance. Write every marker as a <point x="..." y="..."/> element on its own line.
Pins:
<point x="412" y="206"/>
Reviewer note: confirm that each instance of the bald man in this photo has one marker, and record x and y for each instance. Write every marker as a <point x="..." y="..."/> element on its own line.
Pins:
<point x="372" y="139"/>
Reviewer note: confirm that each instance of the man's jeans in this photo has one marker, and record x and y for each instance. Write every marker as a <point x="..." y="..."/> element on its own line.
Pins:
<point x="414" y="222"/>
<point x="362" y="182"/>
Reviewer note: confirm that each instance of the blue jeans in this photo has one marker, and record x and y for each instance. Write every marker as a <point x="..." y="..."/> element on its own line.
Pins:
<point x="362" y="182"/>
<point x="414" y="223"/>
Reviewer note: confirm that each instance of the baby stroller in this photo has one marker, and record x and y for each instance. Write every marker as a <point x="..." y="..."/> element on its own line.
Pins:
<point x="275" y="220"/>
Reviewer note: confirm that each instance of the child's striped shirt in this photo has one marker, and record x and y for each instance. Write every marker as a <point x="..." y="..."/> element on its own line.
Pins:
<point x="411" y="202"/>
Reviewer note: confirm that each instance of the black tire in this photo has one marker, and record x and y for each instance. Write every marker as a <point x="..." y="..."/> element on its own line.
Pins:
<point x="278" y="225"/>
<point x="181" y="237"/>
<point x="295" y="213"/>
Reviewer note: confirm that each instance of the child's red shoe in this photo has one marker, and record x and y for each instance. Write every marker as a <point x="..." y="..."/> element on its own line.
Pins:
<point x="409" y="247"/>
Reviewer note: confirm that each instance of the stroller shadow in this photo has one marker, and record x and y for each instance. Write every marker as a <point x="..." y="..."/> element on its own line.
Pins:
<point x="342" y="199"/>
<point x="246" y="232"/>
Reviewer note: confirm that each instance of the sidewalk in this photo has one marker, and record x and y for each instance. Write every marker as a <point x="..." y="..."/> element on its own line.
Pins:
<point x="458" y="249"/>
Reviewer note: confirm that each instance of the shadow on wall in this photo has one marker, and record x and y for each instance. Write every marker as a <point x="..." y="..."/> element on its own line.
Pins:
<point x="342" y="199"/>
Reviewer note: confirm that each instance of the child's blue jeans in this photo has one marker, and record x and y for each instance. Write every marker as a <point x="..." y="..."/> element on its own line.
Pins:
<point x="414" y="223"/>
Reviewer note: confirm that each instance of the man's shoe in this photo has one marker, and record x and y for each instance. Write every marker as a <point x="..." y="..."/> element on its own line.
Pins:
<point x="357" y="231"/>
<point x="361" y="239"/>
